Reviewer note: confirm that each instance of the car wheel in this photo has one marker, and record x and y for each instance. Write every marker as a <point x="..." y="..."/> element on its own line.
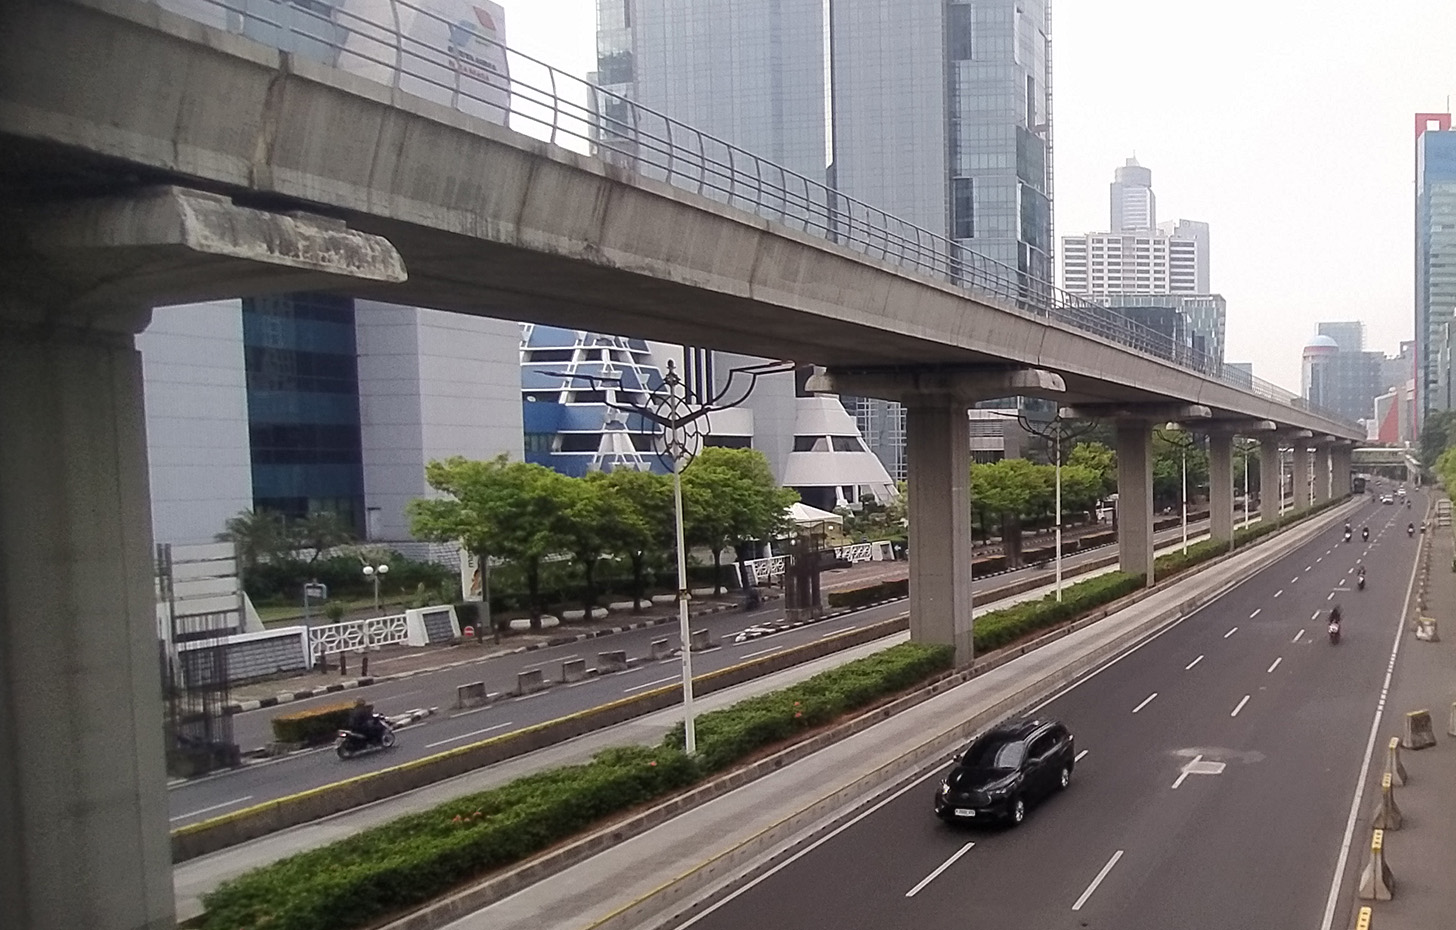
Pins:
<point x="1018" y="811"/>
<point x="1064" y="778"/>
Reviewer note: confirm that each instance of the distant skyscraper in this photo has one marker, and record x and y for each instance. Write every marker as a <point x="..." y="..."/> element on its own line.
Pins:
<point x="1147" y="262"/>
<point x="1196" y="232"/>
<point x="1134" y="208"/>
<point x="1435" y="259"/>
<point x="1349" y="336"/>
<point x="1346" y="382"/>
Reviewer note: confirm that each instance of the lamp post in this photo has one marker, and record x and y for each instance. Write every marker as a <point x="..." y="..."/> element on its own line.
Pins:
<point x="1183" y="445"/>
<point x="1244" y="449"/>
<point x="682" y="418"/>
<point x="374" y="573"/>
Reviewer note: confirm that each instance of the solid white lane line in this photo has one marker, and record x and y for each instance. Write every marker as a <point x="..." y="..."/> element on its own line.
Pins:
<point x="1230" y="632"/>
<point x="1184" y="773"/>
<point x="1257" y="611"/>
<point x="1240" y="707"/>
<point x="1275" y="665"/>
<point x="215" y="807"/>
<point x="1193" y="663"/>
<point x="467" y="713"/>
<point x="660" y="681"/>
<point x="1097" y="881"/>
<point x="1298" y="635"/>
<point x="1339" y="875"/>
<point x="1279" y="592"/>
<point x="761" y="652"/>
<point x="456" y="739"/>
<point x="1147" y="700"/>
<point x="941" y="868"/>
<point x="1078" y="756"/>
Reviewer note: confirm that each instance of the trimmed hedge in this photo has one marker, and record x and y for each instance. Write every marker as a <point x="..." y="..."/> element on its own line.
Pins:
<point x="725" y="736"/>
<point x="315" y="725"/>
<point x="869" y="594"/>
<point x="1000" y="627"/>
<point x="374" y="874"/>
<point x="1172" y="563"/>
<point x="359" y="880"/>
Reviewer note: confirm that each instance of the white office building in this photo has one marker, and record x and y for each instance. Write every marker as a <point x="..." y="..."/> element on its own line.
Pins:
<point x="1134" y="206"/>
<point x="1148" y="262"/>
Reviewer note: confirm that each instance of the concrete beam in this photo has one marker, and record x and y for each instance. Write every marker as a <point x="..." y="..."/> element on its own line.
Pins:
<point x="964" y="386"/>
<point x="170" y="244"/>
<point x="1163" y="413"/>
<point x="1238" y="427"/>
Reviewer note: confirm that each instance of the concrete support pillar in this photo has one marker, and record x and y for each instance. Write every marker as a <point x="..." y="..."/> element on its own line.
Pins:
<point x="1301" y="475"/>
<point x="83" y="799"/>
<point x="1340" y="465"/>
<point x="1135" y="497"/>
<point x="1321" y="473"/>
<point x="1271" y="479"/>
<point x="1221" y="487"/>
<point x="938" y="452"/>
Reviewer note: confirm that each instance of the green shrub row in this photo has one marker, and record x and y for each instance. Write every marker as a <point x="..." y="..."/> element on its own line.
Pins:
<point x="315" y="725"/>
<point x="725" y="736"/>
<point x="869" y="594"/>
<point x="408" y="861"/>
<point x="1000" y="627"/>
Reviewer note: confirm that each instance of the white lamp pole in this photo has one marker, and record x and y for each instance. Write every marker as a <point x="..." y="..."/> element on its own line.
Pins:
<point x="1057" y="441"/>
<point x="1246" y="487"/>
<point x="374" y="573"/>
<point x="1185" y="499"/>
<point x="690" y="740"/>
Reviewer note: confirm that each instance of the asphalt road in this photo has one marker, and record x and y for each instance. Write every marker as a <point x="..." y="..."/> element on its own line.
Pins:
<point x="1250" y="681"/>
<point x="215" y="795"/>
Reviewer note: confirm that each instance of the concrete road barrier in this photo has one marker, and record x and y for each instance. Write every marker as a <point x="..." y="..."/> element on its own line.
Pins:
<point x="1387" y="815"/>
<point x="1376" y="882"/>
<point x="1451" y="726"/>
<point x="529" y="682"/>
<point x="573" y="670"/>
<point x="613" y="661"/>
<point x="471" y="695"/>
<point x="1426" y="630"/>
<point x="699" y="640"/>
<point x="1362" y="920"/>
<point x="1393" y="763"/>
<point x="1419" y="733"/>
<point x="660" y="649"/>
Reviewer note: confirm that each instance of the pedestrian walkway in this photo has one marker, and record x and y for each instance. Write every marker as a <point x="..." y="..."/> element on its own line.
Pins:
<point x="1422" y="853"/>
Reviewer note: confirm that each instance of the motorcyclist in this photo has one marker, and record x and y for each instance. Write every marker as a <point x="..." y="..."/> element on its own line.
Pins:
<point x="1336" y="616"/>
<point x="363" y="721"/>
<point x="1410" y="529"/>
<point x="1365" y="533"/>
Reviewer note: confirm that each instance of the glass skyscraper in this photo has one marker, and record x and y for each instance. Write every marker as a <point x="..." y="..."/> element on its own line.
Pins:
<point x="1435" y="262"/>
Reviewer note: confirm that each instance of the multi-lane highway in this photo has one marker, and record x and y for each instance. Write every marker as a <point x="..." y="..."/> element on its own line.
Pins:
<point x="1214" y="787"/>
<point x="213" y="796"/>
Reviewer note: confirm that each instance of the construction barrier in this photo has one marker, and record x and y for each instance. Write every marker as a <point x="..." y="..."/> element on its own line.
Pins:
<point x="1394" y="765"/>
<point x="1376" y="882"/>
<point x="1387" y="815"/>
<point x="699" y="640"/>
<point x="1426" y="630"/>
<point x="613" y="661"/>
<point x="1451" y="726"/>
<point x="1418" y="731"/>
<point x="529" y="682"/>
<point x="471" y="695"/>
<point x="1362" y="921"/>
<point x="660" y="649"/>
<point x="573" y="670"/>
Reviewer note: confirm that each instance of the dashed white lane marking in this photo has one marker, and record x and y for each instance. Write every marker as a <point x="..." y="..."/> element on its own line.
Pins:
<point x="1240" y="707"/>
<point x="1279" y="592"/>
<point x="1320" y="559"/>
<point x="1193" y="663"/>
<point x="1331" y="597"/>
<point x="1184" y="773"/>
<point x="1230" y="632"/>
<point x="1299" y="634"/>
<point x="1257" y="611"/>
<point x="941" y="868"/>
<point x="1275" y="665"/>
<point x="761" y="652"/>
<point x="1078" y="756"/>
<point x="1097" y="881"/>
<point x="660" y="681"/>
<point x="1147" y="700"/>
<point x="215" y="807"/>
<point x="456" y="739"/>
<point x="1314" y="616"/>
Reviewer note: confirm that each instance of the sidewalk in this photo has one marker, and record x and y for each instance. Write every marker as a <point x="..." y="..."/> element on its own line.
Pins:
<point x="588" y="892"/>
<point x="1422" y="854"/>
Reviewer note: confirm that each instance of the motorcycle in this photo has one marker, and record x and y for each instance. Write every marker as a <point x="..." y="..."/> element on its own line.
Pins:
<point x="1334" y="632"/>
<point x="1347" y="535"/>
<point x="1365" y="535"/>
<point x="351" y="742"/>
<point x="1410" y="530"/>
<point x="1360" y="583"/>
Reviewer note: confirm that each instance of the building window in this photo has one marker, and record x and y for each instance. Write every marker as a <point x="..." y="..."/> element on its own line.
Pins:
<point x="537" y="442"/>
<point x="846" y="444"/>
<point x="811" y="444"/>
<point x="963" y="211"/>
<point x="580" y="442"/>
<point x="960" y="32"/>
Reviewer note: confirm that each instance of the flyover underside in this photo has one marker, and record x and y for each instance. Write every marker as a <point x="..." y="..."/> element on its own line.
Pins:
<point x="493" y="222"/>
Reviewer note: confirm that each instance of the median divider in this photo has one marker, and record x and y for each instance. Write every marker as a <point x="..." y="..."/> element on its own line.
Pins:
<point x="530" y="681"/>
<point x="573" y="670"/>
<point x="1419" y="734"/>
<point x="249" y="823"/>
<point x="1376" y="882"/>
<point x="1387" y="815"/>
<point x="613" y="661"/>
<point x="1393" y="763"/>
<point x="471" y="695"/>
<point x="660" y="649"/>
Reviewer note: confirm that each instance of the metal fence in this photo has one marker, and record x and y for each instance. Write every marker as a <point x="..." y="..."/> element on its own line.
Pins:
<point x="410" y="47"/>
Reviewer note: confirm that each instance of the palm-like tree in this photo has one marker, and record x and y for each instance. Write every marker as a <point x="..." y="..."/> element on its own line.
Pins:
<point x="258" y="536"/>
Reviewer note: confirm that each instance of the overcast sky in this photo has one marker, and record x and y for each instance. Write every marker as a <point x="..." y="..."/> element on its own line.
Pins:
<point x="1285" y="124"/>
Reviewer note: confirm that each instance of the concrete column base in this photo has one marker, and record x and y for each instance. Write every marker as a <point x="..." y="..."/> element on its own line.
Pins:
<point x="1135" y="497"/>
<point x="1221" y="487"/>
<point x="1322" y="476"/>
<point x="1271" y="480"/>
<point x="938" y="452"/>
<point x="1301" y="475"/>
<point x="83" y="799"/>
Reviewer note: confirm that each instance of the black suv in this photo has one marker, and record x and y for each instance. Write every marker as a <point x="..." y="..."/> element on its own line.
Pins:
<point x="1005" y="769"/>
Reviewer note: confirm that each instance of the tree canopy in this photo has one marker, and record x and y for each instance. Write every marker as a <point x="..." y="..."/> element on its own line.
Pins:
<point x="730" y="496"/>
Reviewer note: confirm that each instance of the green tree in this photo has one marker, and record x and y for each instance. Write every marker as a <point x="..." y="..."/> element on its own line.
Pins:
<point x="730" y="496"/>
<point x="1438" y="433"/>
<point x="1005" y="491"/>
<point x="1100" y="459"/>
<point x="259" y="536"/>
<point x="319" y="532"/>
<point x="588" y="518"/>
<point x="640" y="520"/>
<point x="1168" y="451"/>
<point x="1082" y="488"/>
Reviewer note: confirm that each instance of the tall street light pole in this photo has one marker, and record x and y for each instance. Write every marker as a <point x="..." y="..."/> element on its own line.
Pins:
<point x="1055" y="429"/>
<point x="374" y="573"/>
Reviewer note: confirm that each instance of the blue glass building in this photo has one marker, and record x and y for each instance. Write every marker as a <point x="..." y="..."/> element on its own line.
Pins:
<point x="1435" y="263"/>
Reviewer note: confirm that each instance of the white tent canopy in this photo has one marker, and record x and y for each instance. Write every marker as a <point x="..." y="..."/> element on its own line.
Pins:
<point x="802" y="514"/>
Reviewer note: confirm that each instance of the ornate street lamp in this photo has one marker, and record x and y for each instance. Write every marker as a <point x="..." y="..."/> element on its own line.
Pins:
<point x="1184" y="443"/>
<point x="374" y="573"/>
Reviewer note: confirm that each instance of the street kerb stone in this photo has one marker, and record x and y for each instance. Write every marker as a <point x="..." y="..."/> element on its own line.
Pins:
<point x="1393" y="763"/>
<point x="1419" y="734"/>
<point x="1376" y="882"/>
<point x="1387" y="815"/>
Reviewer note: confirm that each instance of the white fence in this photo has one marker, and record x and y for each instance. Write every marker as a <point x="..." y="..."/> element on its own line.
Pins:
<point x="763" y="571"/>
<point x="422" y="626"/>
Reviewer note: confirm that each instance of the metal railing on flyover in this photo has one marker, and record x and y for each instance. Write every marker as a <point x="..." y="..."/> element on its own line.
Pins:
<point x="458" y="62"/>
